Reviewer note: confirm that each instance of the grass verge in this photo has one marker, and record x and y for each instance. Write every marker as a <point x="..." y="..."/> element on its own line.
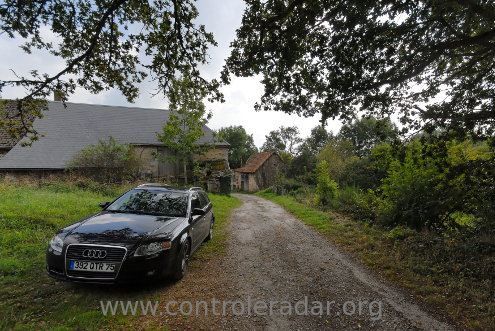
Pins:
<point x="414" y="262"/>
<point x="30" y="300"/>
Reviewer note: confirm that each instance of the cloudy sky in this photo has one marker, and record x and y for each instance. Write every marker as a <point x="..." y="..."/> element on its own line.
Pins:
<point x="220" y="17"/>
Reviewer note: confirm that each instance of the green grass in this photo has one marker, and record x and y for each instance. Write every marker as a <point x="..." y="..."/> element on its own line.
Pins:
<point x="29" y="217"/>
<point x="223" y="208"/>
<point x="433" y="269"/>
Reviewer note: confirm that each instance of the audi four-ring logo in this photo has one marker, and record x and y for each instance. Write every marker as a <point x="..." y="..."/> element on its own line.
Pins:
<point x="95" y="253"/>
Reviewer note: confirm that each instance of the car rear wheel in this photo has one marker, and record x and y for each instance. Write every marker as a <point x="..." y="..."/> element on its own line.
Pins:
<point x="210" y="234"/>
<point x="180" y="267"/>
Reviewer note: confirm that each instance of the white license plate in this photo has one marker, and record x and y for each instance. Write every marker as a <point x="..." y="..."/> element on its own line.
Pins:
<point x="92" y="266"/>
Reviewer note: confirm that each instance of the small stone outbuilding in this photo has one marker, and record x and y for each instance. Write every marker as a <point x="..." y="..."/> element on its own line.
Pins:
<point x="259" y="172"/>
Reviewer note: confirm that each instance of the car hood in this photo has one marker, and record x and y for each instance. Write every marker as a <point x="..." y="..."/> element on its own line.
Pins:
<point x="111" y="227"/>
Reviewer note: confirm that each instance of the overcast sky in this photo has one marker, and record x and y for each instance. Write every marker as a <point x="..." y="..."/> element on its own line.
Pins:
<point x="220" y="17"/>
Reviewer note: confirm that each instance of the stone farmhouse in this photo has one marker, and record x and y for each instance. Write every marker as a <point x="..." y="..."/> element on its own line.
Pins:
<point x="69" y="129"/>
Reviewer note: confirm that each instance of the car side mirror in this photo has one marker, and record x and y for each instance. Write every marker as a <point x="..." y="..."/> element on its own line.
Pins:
<point x="197" y="211"/>
<point x="104" y="205"/>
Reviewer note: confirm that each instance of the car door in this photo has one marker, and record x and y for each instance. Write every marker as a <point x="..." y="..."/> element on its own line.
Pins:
<point x="207" y="207"/>
<point x="197" y="222"/>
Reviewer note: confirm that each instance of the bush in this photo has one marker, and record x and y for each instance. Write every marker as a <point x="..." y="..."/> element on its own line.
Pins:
<point x="284" y="185"/>
<point x="326" y="188"/>
<point x="106" y="162"/>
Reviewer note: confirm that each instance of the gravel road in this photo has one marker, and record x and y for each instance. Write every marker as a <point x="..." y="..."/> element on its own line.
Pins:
<point x="275" y="257"/>
<point x="289" y="277"/>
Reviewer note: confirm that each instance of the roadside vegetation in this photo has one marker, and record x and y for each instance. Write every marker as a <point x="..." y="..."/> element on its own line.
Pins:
<point x="29" y="216"/>
<point x="419" y="210"/>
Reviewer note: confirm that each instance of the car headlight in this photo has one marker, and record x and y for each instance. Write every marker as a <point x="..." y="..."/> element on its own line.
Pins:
<point x="56" y="244"/>
<point x="152" y="248"/>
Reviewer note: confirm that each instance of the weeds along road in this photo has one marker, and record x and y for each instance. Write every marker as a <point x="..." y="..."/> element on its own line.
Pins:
<point x="289" y="277"/>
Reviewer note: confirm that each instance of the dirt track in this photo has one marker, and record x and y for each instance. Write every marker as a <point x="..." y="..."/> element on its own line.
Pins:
<point x="273" y="257"/>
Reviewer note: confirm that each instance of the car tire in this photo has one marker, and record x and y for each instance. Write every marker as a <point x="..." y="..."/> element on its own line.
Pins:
<point x="210" y="233"/>
<point x="180" y="267"/>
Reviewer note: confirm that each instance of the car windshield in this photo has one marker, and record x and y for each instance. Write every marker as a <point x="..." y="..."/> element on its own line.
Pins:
<point x="152" y="202"/>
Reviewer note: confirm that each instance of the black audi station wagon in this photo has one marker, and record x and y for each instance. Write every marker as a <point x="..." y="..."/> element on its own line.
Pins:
<point x="148" y="232"/>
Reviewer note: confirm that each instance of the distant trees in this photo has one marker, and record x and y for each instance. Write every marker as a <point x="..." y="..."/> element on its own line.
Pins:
<point x="285" y="139"/>
<point x="241" y="144"/>
<point x="367" y="132"/>
<point x="425" y="182"/>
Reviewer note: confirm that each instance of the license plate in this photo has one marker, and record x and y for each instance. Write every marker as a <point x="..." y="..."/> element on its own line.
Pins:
<point x="92" y="266"/>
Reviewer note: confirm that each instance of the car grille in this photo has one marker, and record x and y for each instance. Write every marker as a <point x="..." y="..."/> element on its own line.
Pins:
<point x="113" y="254"/>
<point x="116" y="254"/>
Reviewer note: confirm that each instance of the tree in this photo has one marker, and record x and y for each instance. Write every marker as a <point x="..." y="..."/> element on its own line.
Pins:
<point x="303" y="164"/>
<point x="106" y="161"/>
<point x="326" y="188"/>
<point x="367" y="132"/>
<point x="431" y="61"/>
<point x="317" y="140"/>
<point x="241" y="144"/>
<point x="285" y="139"/>
<point x="184" y="126"/>
<point x="338" y="154"/>
<point x="105" y="45"/>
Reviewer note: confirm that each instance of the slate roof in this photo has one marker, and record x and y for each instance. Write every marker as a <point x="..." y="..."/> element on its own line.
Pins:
<point x="68" y="130"/>
<point x="255" y="161"/>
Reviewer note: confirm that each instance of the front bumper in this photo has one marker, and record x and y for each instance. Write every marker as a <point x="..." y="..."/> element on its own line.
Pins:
<point x="131" y="268"/>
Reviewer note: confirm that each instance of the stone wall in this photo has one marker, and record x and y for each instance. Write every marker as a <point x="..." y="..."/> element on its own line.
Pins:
<point x="266" y="175"/>
<point x="148" y="162"/>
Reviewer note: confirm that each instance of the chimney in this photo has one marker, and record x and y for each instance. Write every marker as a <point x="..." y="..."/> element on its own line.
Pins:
<point x="58" y="96"/>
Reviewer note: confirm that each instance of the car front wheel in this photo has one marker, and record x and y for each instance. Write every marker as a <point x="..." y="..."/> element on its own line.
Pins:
<point x="180" y="267"/>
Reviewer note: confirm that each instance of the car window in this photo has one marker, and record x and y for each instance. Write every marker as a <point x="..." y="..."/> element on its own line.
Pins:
<point x="195" y="202"/>
<point x="203" y="199"/>
<point x="153" y="202"/>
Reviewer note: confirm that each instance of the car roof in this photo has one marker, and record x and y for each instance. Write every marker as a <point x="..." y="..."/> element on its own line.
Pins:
<point x="170" y="187"/>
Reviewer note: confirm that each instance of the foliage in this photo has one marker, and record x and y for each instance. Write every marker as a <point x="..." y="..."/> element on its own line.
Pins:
<point x="302" y="167"/>
<point x="100" y="45"/>
<point x="317" y="140"/>
<point x="184" y="126"/>
<point x="367" y="132"/>
<point x="337" y="153"/>
<point x="241" y="144"/>
<point x="285" y="139"/>
<point x="303" y="164"/>
<point x="337" y="57"/>
<point x="284" y="185"/>
<point x="107" y="162"/>
<point x="433" y="184"/>
<point x="326" y="189"/>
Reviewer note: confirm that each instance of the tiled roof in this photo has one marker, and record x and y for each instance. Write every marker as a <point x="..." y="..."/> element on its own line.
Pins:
<point x="255" y="161"/>
<point x="68" y="130"/>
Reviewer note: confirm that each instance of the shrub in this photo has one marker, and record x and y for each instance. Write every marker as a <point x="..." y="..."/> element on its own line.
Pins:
<point x="326" y="188"/>
<point x="284" y="185"/>
<point x="106" y="162"/>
